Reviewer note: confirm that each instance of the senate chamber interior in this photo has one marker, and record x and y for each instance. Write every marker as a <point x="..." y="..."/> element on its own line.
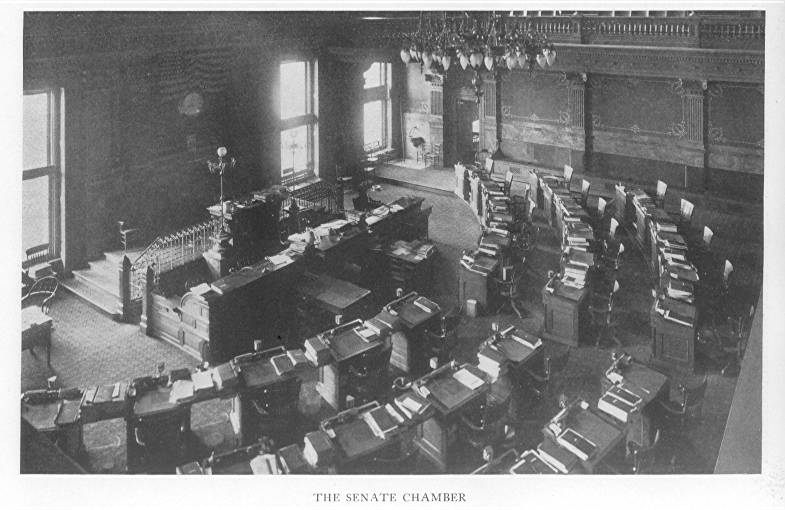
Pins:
<point x="366" y="242"/>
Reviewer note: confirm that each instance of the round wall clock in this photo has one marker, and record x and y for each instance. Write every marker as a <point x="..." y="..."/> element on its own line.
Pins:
<point x="192" y="104"/>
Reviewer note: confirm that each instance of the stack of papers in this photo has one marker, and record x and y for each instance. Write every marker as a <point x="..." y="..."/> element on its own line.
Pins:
<point x="577" y="444"/>
<point x="182" y="389"/>
<point x="411" y="404"/>
<point x="202" y="380"/>
<point x="364" y="332"/>
<point x="468" y="379"/>
<point x="280" y="259"/>
<point x="531" y="463"/>
<point x="264" y="464"/>
<point x="491" y="361"/>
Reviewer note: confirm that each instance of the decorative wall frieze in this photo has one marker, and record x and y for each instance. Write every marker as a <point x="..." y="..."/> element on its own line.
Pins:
<point x="735" y="158"/>
<point x="649" y="146"/>
<point x="693" y="64"/>
<point x="517" y="131"/>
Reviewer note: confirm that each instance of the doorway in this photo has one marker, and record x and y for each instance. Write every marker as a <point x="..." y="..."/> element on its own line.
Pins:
<point x="467" y="130"/>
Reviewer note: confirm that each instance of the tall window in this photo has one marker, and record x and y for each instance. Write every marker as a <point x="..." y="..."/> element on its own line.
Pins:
<point x="299" y="122"/>
<point x="376" y="107"/>
<point x="40" y="171"/>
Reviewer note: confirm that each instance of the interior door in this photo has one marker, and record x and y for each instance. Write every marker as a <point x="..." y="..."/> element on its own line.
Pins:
<point x="467" y="114"/>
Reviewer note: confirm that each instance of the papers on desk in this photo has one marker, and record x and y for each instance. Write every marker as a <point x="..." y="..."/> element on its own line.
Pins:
<point x="677" y="318"/>
<point x="280" y="259"/>
<point x="411" y="404"/>
<point x="200" y="289"/>
<point x="382" y="420"/>
<point x="576" y="443"/>
<point x="364" y="332"/>
<point x="426" y="305"/>
<point x="526" y="343"/>
<point x="282" y="363"/>
<point x="491" y="361"/>
<point x="468" y="379"/>
<point x="532" y="463"/>
<point x="264" y="464"/>
<point x="297" y="357"/>
<point x="182" y="389"/>
<point x="560" y="458"/>
<point x="317" y="352"/>
<point x="680" y="289"/>
<point x="202" y="380"/>
<point x="619" y="403"/>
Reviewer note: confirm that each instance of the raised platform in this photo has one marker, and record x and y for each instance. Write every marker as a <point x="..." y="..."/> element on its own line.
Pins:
<point x="434" y="179"/>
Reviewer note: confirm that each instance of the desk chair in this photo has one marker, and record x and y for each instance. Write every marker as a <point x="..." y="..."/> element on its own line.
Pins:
<point x="637" y="460"/>
<point x="601" y="312"/>
<point x="36" y="255"/>
<point x="583" y="197"/>
<point x="701" y="254"/>
<point x="563" y="181"/>
<point x="484" y="425"/>
<point x="675" y="415"/>
<point x="507" y="182"/>
<point x="509" y="288"/>
<point x="611" y="255"/>
<point x="41" y="293"/>
<point x="432" y="156"/>
<point x="725" y="343"/>
<point x="686" y="209"/>
<point x="600" y="216"/>
<point x="160" y="440"/>
<point x="367" y="375"/>
<point x="662" y="188"/>
<point x="275" y="413"/>
<point x="714" y="290"/>
<point x="127" y="235"/>
<point x="441" y="342"/>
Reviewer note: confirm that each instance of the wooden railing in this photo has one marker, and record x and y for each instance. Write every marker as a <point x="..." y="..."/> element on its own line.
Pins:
<point x="164" y="253"/>
<point x="712" y="32"/>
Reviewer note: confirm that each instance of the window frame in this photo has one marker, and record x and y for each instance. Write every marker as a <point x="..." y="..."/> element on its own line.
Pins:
<point x="381" y="93"/>
<point x="53" y="169"/>
<point x="310" y="119"/>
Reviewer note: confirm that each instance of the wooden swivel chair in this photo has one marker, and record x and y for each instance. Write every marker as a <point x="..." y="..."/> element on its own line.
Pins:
<point x="509" y="288"/>
<point x="582" y="197"/>
<point x="433" y="155"/>
<point x="676" y="414"/>
<point x="662" y="188"/>
<point x="275" y="412"/>
<point x="160" y="441"/>
<point x="484" y="425"/>
<point x="686" y="209"/>
<point x="441" y="342"/>
<point x="601" y="311"/>
<point x="560" y="181"/>
<point x="41" y="293"/>
<point x="367" y="376"/>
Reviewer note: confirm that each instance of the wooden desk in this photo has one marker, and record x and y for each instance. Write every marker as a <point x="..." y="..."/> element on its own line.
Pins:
<point x="477" y="282"/>
<point x="335" y="296"/>
<point x="650" y="385"/>
<point x="408" y="344"/>
<point x="673" y="346"/>
<point x="259" y="379"/>
<point x="449" y="398"/>
<point x="156" y="416"/>
<point x="253" y="303"/>
<point x="604" y="433"/>
<point x="346" y="347"/>
<point x="565" y="312"/>
<point x="409" y="269"/>
<point x="36" y="330"/>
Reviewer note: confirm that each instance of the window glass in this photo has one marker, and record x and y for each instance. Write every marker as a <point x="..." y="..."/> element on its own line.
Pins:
<point x="294" y="149"/>
<point x="373" y="121"/>
<point x="373" y="76"/>
<point x="35" y="131"/>
<point x="35" y="212"/>
<point x="293" y="89"/>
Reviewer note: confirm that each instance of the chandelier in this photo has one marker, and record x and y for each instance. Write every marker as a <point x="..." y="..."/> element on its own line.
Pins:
<point x="483" y="41"/>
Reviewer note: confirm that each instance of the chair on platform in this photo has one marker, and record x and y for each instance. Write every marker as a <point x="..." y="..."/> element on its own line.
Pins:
<point x="432" y="155"/>
<point x="128" y="236"/>
<point x="662" y="188"/>
<point x="36" y="255"/>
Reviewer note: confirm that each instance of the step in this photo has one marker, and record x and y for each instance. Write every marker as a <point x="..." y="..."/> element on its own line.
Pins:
<point x="96" y="296"/>
<point x="104" y="267"/>
<point x="116" y="257"/>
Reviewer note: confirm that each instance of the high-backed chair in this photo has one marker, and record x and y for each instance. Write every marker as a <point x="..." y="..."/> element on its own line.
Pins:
<point x="276" y="411"/>
<point x="484" y="425"/>
<point x="433" y="154"/>
<point x="611" y="255"/>
<point x="560" y="181"/>
<point x="509" y="289"/>
<point x="601" y="311"/>
<point x="662" y="188"/>
<point x="686" y="209"/>
<point x="701" y="254"/>
<point x="583" y="197"/>
<point x="367" y="376"/>
<point x="688" y="407"/>
<point x="41" y="293"/>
